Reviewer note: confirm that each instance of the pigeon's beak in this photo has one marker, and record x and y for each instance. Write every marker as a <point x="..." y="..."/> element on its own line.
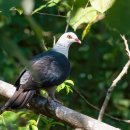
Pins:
<point x="77" y="40"/>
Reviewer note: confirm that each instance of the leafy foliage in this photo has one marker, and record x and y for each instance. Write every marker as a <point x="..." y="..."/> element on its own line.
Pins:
<point x="82" y="16"/>
<point x="102" y="5"/>
<point x="49" y="4"/>
<point x="94" y="64"/>
<point x="65" y="86"/>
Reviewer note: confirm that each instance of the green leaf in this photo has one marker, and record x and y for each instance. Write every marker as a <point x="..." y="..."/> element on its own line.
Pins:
<point x="68" y="89"/>
<point x="32" y="122"/>
<point x="23" y="128"/>
<point x="10" y="118"/>
<point x="33" y="127"/>
<point x="19" y="10"/>
<point x="43" y="92"/>
<point x="82" y="15"/>
<point x="102" y="5"/>
<point x="39" y="8"/>
<point x="51" y="3"/>
<point x="69" y="81"/>
<point x="60" y="87"/>
<point x="86" y="30"/>
<point x="65" y="86"/>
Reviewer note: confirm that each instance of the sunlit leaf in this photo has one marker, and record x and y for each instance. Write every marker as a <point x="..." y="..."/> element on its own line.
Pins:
<point x="23" y="128"/>
<point x="10" y="118"/>
<point x="69" y="81"/>
<point x="68" y="89"/>
<point x="60" y="87"/>
<point x="51" y="3"/>
<point x="39" y="8"/>
<point x="102" y="5"/>
<point x="83" y="15"/>
<point x="43" y="92"/>
<point x="32" y="122"/>
<point x="19" y="10"/>
<point x="33" y="127"/>
<point x="87" y="28"/>
<point x="65" y="86"/>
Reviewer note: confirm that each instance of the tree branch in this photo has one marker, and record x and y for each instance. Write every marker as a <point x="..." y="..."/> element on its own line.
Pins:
<point x="116" y="80"/>
<point x="57" y="111"/>
<point x="96" y="108"/>
<point x="55" y="15"/>
<point x="126" y="45"/>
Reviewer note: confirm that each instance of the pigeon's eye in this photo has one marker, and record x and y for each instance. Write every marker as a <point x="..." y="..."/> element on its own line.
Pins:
<point x="69" y="36"/>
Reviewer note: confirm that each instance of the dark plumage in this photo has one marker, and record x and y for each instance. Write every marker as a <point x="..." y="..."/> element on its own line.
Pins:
<point x="47" y="70"/>
<point x="51" y="68"/>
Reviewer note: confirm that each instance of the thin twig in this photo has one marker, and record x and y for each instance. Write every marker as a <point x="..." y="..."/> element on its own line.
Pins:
<point x="114" y="83"/>
<point x="44" y="46"/>
<point x="54" y="40"/>
<point x="87" y="4"/>
<point x="126" y="45"/>
<point x="55" y="15"/>
<point x="69" y="17"/>
<point x="38" y="119"/>
<point x="96" y="108"/>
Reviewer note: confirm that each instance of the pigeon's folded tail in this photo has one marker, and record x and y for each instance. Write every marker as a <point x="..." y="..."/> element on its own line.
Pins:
<point x="18" y="100"/>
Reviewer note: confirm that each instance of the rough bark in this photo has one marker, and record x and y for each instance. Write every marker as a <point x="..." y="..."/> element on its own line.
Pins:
<point x="57" y="111"/>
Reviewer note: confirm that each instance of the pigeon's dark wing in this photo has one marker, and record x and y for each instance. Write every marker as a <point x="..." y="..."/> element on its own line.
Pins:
<point x="17" y="82"/>
<point x="46" y="70"/>
<point x="49" y="69"/>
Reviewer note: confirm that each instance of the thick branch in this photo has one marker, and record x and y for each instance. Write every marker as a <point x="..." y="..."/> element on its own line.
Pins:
<point x="58" y="111"/>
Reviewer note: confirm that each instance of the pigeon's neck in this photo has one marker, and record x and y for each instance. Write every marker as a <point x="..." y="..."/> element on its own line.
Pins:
<point x="62" y="48"/>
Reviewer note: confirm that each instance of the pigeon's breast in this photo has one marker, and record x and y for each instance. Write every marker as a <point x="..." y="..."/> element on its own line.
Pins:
<point x="57" y="71"/>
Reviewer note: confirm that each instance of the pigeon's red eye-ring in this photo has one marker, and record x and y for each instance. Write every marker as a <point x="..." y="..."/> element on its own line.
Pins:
<point x="69" y="36"/>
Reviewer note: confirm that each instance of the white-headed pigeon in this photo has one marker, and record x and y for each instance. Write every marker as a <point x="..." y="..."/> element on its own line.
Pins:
<point x="49" y="69"/>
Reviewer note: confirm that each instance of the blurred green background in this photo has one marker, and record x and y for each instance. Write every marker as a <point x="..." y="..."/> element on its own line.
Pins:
<point x="95" y="63"/>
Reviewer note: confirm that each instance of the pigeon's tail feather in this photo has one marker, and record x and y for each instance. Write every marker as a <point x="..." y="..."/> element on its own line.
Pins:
<point x="19" y="99"/>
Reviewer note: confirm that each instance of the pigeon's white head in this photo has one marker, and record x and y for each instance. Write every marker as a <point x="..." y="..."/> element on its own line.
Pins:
<point x="65" y="41"/>
<point x="68" y="38"/>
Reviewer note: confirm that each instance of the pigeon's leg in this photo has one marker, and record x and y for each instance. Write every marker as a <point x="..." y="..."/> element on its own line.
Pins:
<point x="51" y="93"/>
